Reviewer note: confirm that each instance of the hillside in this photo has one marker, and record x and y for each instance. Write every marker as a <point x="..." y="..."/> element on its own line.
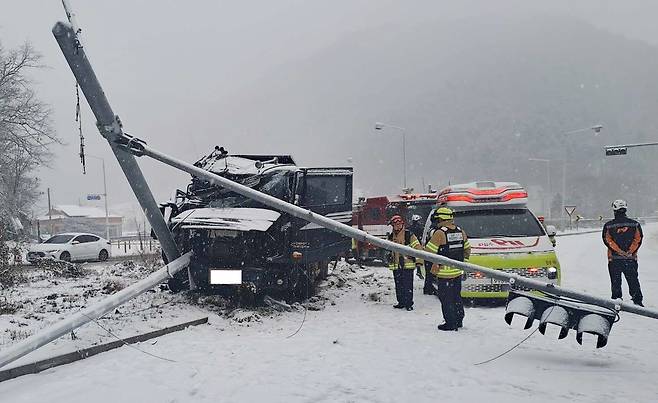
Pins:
<point x="477" y="97"/>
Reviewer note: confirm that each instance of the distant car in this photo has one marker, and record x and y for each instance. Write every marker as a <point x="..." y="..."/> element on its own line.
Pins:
<point x="70" y="247"/>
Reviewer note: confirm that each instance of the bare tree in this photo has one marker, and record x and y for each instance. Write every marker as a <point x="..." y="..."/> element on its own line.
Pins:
<point x="26" y="132"/>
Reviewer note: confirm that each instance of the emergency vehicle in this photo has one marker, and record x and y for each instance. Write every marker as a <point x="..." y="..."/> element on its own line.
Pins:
<point x="504" y="235"/>
<point x="372" y="214"/>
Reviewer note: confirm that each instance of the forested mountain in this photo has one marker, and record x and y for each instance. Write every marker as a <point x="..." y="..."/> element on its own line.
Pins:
<point x="477" y="97"/>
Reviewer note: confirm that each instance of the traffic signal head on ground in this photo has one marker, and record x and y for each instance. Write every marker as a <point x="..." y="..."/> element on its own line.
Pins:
<point x="564" y="313"/>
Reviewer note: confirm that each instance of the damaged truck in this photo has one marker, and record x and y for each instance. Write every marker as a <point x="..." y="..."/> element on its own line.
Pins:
<point x="241" y="245"/>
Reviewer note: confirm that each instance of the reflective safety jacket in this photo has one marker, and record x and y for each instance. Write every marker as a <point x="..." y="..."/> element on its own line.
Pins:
<point x="450" y="241"/>
<point x="398" y="261"/>
<point x="623" y="237"/>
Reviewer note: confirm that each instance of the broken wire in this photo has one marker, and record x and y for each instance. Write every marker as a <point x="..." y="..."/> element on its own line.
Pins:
<point x="78" y="118"/>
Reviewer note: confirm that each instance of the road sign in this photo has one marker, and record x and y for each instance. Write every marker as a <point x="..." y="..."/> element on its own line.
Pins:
<point x="93" y="197"/>
<point x="569" y="209"/>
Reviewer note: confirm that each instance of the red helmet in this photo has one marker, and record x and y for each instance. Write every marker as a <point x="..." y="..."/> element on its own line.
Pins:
<point x="540" y="218"/>
<point x="395" y="219"/>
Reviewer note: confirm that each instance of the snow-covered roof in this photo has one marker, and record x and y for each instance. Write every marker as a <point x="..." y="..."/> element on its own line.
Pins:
<point x="53" y="216"/>
<point x="79" y="211"/>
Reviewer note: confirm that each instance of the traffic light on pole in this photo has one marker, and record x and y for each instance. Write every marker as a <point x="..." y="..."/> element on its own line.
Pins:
<point x="565" y="314"/>
<point x="616" y="151"/>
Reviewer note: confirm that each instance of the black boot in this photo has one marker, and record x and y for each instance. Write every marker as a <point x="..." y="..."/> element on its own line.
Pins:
<point x="447" y="327"/>
<point x="398" y="306"/>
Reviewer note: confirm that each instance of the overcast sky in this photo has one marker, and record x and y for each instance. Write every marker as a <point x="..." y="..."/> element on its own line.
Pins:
<point x="160" y="61"/>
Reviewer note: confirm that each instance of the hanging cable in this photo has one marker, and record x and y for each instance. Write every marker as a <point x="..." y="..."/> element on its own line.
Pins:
<point x="78" y="118"/>
<point x="514" y="346"/>
<point x="126" y="343"/>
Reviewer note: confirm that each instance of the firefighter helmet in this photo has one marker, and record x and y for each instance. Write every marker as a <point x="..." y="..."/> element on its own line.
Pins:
<point x="619" y="205"/>
<point x="443" y="213"/>
<point x="395" y="219"/>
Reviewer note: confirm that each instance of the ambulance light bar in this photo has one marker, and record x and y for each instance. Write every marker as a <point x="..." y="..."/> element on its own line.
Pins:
<point x="492" y="193"/>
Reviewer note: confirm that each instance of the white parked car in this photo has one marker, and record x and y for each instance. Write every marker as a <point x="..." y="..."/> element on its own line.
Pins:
<point x="70" y="247"/>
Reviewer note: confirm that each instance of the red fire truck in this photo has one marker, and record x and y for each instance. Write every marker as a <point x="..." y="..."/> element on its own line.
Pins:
<point x="372" y="214"/>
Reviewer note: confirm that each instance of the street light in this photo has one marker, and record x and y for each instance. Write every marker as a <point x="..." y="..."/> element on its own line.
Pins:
<point x="107" y="216"/>
<point x="597" y="129"/>
<point x="382" y="126"/>
<point x="547" y="198"/>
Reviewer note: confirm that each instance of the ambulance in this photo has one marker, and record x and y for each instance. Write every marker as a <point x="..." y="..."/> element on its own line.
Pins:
<point x="504" y="235"/>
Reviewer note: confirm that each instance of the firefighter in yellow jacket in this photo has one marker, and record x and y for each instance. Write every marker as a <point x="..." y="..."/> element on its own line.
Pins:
<point x="450" y="241"/>
<point x="403" y="266"/>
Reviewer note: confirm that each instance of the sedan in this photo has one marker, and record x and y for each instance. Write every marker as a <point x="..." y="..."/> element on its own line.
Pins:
<point x="71" y="247"/>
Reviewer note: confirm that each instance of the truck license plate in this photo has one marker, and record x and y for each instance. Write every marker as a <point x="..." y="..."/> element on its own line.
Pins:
<point x="225" y="276"/>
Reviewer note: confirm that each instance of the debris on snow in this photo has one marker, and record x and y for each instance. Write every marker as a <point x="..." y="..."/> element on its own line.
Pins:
<point x="242" y="315"/>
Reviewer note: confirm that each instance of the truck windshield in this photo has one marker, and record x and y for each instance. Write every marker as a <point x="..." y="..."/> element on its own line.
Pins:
<point x="421" y="209"/>
<point x="498" y="223"/>
<point x="277" y="184"/>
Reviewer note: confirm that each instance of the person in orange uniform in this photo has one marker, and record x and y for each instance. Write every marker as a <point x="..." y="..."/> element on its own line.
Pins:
<point x="623" y="237"/>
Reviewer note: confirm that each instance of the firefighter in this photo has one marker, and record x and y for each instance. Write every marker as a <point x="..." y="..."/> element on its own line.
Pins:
<point x="450" y="241"/>
<point x="429" y="287"/>
<point x="403" y="266"/>
<point x="416" y="226"/>
<point x="623" y="237"/>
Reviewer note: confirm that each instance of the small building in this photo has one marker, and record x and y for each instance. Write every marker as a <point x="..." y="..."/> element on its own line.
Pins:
<point x="71" y="218"/>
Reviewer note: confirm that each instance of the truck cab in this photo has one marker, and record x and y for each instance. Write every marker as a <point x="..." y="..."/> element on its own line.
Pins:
<point x="240" y="243"/>
<point x="504" y="235"/>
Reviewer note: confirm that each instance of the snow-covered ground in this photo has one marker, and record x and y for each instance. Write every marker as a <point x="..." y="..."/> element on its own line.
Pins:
<point x="354" y="348"/>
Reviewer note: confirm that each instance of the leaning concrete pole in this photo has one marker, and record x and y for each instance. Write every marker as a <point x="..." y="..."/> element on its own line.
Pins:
<point x="109" y="126"/>
<point x="95" y="311"/>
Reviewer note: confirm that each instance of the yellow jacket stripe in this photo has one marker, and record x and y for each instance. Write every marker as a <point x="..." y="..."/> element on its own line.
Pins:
<point x="431" y="247"/>
<point x="448" y="272"/>
<point x="409" y="262"/>
<point x="439" y="270"/>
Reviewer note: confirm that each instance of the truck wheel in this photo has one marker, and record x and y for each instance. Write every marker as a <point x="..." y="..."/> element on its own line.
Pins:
<point x="176" y="285"/>
<point x="300" y="286"/>
<point x="324" y="269"/>
<point x="180" y="281"/>
<point x="65" y="256"/>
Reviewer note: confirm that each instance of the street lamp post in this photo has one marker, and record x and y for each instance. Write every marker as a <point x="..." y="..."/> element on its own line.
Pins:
<point x="107" y="216"/>
<point x="382" y="126"/>
<point x="547" y="198"/>
<point x="596" y="129"/>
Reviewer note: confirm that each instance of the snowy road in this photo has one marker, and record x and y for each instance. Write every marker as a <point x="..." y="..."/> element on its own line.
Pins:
<point x="360" y="350"/>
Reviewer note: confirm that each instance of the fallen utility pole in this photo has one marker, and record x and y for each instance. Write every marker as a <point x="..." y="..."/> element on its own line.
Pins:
<point x="124" y="144"/>
<point x="78" y="319"/>
<point x="42" y="365"/>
